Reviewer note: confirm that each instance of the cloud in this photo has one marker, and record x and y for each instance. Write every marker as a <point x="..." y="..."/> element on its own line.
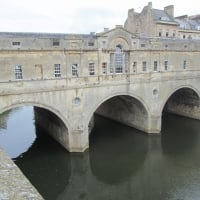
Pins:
<point x="77" y="16"/>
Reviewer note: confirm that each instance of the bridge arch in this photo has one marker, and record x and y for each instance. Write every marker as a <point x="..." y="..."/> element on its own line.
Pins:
<point x="60" y="124"/>
<point x="132" y="104"/>
<point x="183" y="100"/>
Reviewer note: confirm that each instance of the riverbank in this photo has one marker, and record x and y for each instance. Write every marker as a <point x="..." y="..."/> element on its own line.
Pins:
<point x="13" y="184"/>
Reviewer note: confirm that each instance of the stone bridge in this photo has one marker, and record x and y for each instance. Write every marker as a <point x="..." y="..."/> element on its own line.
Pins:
<point x="70" y="77"/>
<point x="137" y="100"/>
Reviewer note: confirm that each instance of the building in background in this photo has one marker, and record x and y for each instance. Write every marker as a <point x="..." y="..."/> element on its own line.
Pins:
<point x="162" y="23"/>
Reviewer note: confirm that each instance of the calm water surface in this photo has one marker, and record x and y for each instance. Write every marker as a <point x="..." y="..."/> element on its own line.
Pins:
<point x="122" y="163"/>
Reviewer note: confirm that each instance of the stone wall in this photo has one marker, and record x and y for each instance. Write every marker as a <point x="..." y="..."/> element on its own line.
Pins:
<point x="52" y="125"/>
<point x="13" y="184"/>
<point x="184" y="102"/>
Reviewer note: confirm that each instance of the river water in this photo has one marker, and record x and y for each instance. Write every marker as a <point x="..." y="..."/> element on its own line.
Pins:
<point x="121" y="163"/>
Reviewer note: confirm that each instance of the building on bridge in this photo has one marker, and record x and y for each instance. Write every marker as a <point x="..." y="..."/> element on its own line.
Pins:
<point x="130" y="74"/>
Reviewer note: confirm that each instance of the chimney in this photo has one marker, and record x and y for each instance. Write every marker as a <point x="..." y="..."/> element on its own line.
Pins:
<point x="131" y="13"/>
<point x="150" y="5"/>
<point x="169" y="10"/>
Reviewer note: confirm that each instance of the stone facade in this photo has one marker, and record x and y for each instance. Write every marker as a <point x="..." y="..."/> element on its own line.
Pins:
<point x="119" y="73"/>
<point x="162" y="23"/>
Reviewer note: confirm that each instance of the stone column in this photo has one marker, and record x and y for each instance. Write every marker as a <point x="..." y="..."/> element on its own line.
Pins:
<point x="154" y="126"/>
<point x="78" y="140"/>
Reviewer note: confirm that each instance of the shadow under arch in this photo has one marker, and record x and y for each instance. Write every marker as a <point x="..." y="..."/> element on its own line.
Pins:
<point x="125" y="108"/>
<point x="46" y="164"/>
<point x="179" y="131"/>
<point x="116" y="151"/>
<point x="188" y="92"/>
<point x="39" y="105"/>
<point x="57" y="128"/>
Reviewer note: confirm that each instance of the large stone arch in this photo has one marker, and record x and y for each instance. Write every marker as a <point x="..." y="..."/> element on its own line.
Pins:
<point x="106" y="98"/>
<point x="187" y="107"/>
<point x="62" y="133"/>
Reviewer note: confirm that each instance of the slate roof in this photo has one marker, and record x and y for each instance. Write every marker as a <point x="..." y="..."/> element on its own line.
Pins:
<point x="189" y="22"/>
<point x="47" y="35"/>
<point x="161" y="15"/>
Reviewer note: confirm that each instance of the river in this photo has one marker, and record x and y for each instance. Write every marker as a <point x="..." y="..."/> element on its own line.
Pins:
<point x="121" y="163"/>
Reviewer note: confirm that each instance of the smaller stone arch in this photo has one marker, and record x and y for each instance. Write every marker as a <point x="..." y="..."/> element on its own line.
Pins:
<point x="128" y="102"/>
<point x="61" y="134"/>
<point x="184" y="101"/>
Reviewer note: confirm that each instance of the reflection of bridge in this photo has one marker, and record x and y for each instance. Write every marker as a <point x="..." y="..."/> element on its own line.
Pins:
<point x="112" y="73"/>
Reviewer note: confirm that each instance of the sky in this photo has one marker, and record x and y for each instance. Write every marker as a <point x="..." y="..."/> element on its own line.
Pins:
<point x="78" y="16"/>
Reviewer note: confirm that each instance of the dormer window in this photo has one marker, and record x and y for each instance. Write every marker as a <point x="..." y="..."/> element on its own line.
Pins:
<point x="91" y="43"/>
<point x="163" y="18"/>
<point x="16" y="43"/>
<point x="56" y="42"/>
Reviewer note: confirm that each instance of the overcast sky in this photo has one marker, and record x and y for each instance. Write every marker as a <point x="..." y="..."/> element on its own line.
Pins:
<point x="78" y="16"/>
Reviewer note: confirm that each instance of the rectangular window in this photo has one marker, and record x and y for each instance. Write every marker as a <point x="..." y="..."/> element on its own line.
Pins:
<point x="104" y="68"/>
<point x="91" y="43"/>
<point x="160" y="34"/>
<point x="144" y="66"/>
<point x="91" y="69"/>
<point x="142" y="45"/>
<point x="16" y="43"/>
<point x="18" y="72"/>
<point x="184" y="64"/>
<point x="134" y="66"/>
<point x="57" y="71"/>
<point x="126" y="60"/>
<point x="75" y="70"/>
<point x="119" y="55"/>
<point x="56" y="42"/>
<point x="111" y="63"/>
<point x="166" y="65"/>
<point x="167" y="34"/>
<point x="155" y="66"/>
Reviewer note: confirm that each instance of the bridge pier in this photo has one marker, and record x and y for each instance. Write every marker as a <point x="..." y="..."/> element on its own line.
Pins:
<point x="78" y="140"/>
<point x="154" y="126"/>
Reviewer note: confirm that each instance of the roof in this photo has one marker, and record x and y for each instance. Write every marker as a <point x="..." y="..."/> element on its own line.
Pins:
<point x="189" y="22"/>
<point x="161" y="15"/>
<point x="47" y="35"/>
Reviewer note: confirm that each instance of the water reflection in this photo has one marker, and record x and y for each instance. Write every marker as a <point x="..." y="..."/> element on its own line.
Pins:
<point x="48" y="170"/>
<point x="115" y="155"/>
<point x="180" y="135"/>
<point x="18" y="132"/>
<point x="121" y="163"/>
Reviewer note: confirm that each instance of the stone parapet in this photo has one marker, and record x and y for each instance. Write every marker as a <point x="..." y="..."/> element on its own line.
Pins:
<point x="13" y="184"/>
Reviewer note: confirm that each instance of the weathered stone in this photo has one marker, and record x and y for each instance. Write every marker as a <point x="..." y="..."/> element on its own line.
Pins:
<point x="73" y="75"/>
<point x="13" y="184"/>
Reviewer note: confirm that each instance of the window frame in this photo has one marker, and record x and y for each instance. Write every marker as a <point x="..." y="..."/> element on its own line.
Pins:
<point x="18" y="72"/>
<point x="119" y="59"/>
<point x="91" y="69"/>
<point x="155" y="66"/>
<point x="74" y="70"/>
<point x="144" y="66"/>
<point x="57" y="70"/>
<point x="104" y="68"/>
<point x="166" y="65"/>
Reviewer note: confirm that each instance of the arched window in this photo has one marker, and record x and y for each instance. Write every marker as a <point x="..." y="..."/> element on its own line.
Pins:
<point x="119" y="57"/>
<point x="119" y="61"/>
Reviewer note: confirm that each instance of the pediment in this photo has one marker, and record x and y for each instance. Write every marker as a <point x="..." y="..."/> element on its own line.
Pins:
<point x="117" y="36"/>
